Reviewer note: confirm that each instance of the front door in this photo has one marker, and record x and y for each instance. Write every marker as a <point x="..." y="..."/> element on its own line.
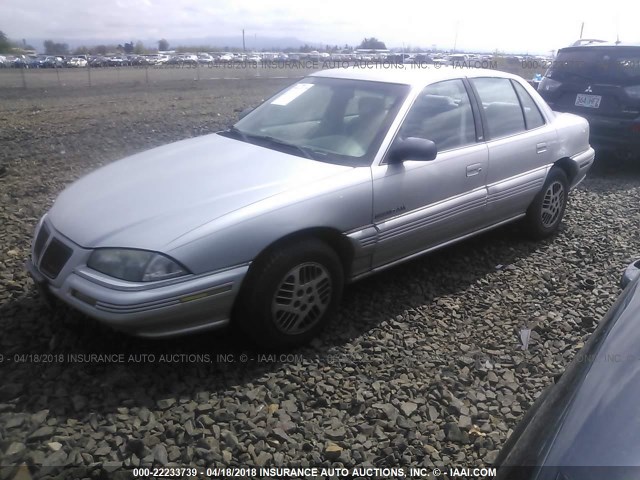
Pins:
<point x="420" y="204"/>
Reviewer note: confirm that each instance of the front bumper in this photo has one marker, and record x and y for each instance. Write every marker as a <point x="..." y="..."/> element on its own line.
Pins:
<point x="161" y="309"/>
<point x="201" y="303"/>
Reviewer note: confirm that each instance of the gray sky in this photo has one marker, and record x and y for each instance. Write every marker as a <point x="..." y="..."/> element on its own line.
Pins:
<point x="534" y="26"/>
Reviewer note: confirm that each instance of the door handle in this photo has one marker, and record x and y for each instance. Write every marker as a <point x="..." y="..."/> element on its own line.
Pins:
<point x="541" y="147"/>
<point x="474" y="169"/>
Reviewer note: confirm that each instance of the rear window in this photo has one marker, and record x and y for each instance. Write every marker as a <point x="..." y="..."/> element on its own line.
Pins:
<point x="618" y="64"/>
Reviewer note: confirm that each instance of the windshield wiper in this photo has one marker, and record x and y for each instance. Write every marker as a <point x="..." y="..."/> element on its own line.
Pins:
<point x="282" y="143"/>
<point x="270" y="140"/>
<point x="235" y="130"/>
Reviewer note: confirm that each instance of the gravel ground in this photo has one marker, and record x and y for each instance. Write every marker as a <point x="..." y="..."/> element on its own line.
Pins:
<point x="422" y="367"/>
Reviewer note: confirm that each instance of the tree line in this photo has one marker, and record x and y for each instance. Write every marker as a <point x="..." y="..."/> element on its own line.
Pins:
<point x="58" y="48"/>
<point x="138" y="48"/>
<point x="8" y="46"/>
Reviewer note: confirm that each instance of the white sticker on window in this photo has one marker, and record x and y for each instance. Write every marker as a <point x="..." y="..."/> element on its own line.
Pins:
<point x="291" y="94"/>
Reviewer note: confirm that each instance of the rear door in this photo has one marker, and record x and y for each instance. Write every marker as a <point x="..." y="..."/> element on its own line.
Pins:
<point x="519" y="142"/>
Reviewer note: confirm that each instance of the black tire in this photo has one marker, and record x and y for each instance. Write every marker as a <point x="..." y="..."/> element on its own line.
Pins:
<point x="273" y="309"/>
<point x="547" y="209"/>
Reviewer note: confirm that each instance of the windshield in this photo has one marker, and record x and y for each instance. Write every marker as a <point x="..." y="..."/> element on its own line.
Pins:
<point x="616" y="64"/>
<point x="326" y="119"/>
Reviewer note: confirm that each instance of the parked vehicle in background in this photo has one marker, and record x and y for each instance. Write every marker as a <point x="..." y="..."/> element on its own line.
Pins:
<point x="440" y="60"/>
<point x="584" y="427"/>
<point x="398" y="57"/>
<point x="3" y="61"/>
<point x="183" y="59"/>
<point x="254" y="59"/>
<point x="77" y="62"/>
<point x="189" y="59"/>
<point x="35" y="61"/>
<point x="343" y="174"/>
<point x="423" y="58"/>
<point x="601" y="82"/>
<point x="174" y="60"/>
<point x="150" y="59"/>
<point x="20" y="62"/>
<point x="205" y="59"/>
<point x="98" y="61"/>
<point x="136" y="60"/>
<point x="53" y="62"/>
<point x="459" y="59"/>
<point x="156" y="59"/>
<point x="115" y="61"/>
<point x="226" y="58"/>
<point x="535" y="81"/>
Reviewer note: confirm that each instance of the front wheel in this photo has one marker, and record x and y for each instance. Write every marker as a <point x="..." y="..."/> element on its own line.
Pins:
<point x="547" y="209"/>
<point x="291" y="294"/>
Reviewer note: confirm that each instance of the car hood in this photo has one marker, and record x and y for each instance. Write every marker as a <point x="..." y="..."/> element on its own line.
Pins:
<point x="151" y="198"/>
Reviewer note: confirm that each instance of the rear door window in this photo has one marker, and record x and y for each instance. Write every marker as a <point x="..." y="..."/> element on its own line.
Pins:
<point x="532" y="116"/>
<point x="501" y="106"/>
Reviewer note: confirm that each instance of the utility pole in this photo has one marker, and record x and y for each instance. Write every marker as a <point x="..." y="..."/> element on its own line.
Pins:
<point x="455" y="40"/>
<point x="243" y="45"/>
<point x="581" y="30"/>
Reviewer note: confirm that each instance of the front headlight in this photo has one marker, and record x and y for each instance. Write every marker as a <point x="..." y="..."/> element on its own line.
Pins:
<point x="135" y="265"/>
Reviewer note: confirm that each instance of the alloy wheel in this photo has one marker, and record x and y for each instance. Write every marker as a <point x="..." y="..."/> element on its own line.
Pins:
<point x="552" y="204"/>
<point x="301" y="298"/>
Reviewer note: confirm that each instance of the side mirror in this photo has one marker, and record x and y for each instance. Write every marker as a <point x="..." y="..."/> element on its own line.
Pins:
<point x="245" y="112"/>
<point x="630" y="274"/>
<point x="412" y="148"/>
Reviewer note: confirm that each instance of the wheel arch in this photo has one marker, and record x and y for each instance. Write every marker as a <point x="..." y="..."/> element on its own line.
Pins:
<point x="332" y="237"/>
<point x="569" y="167"/>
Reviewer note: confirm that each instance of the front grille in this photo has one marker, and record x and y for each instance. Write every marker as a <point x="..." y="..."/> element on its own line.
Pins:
<point x="54" y="258"/>
<point x="41" y="240"/>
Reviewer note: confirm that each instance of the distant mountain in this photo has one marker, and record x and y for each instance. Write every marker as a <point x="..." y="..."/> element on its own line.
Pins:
<point x="252" y="42"/>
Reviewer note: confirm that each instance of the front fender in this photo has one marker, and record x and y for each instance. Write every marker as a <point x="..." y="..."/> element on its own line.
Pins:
<point x="342" y="203"/>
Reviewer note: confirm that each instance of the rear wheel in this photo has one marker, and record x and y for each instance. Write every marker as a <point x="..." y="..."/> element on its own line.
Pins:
<point x="291" y="294"/>
<point x="547" y="209"/>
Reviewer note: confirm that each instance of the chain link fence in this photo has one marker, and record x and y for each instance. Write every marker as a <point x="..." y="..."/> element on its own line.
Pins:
<point x="149" y="75"/>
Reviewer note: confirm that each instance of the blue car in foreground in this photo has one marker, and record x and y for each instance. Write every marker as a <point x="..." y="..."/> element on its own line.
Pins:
<point x="587" y="425"/>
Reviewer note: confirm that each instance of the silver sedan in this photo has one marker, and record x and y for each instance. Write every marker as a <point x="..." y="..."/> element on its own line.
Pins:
<point x="343" y="174"/>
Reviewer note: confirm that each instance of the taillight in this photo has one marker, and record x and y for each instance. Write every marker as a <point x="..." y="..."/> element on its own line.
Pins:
<point x="548" y="85"/>
<point x="633" y="91"/>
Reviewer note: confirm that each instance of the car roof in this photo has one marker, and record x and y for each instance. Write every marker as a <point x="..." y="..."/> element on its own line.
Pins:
<point x="608" y="45"/>
<point x="418" y="75"/>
